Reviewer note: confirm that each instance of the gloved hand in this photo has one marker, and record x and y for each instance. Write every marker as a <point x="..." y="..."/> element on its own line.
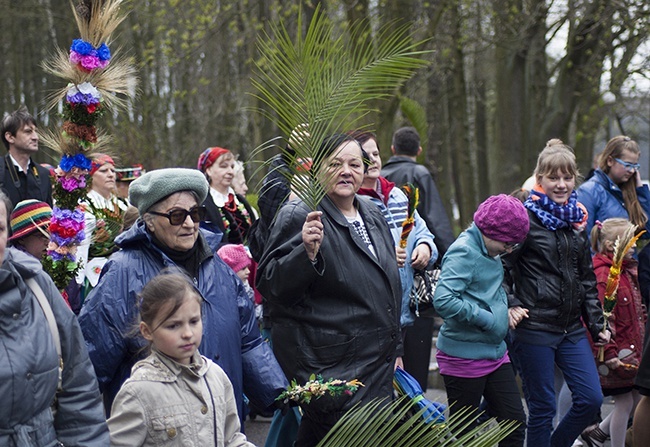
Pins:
<point x="284" y="405"/>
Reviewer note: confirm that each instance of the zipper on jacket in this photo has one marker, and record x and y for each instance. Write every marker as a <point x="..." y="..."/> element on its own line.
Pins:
<point x="566" y="262"/>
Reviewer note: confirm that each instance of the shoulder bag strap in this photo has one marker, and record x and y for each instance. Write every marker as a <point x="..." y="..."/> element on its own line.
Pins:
<point x="51" y="321"/>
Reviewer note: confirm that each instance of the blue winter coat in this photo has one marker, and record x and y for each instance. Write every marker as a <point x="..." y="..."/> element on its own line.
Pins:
<point x="231" y="337"/>
<point x="29" y="368"/>
<point x="604" y="199"/>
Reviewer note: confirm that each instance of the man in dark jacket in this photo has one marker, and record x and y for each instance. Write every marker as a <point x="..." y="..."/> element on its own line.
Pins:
<point x="402" y="168"/>
<point x="20" y="177"/>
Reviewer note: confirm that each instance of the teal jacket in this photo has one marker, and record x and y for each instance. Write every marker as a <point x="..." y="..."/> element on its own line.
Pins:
<point x="471" y="300"/>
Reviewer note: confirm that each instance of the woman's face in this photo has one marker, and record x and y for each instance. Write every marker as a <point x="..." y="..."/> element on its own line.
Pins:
<point x="221" y="173"/>
<point x="104" y="180"/>
<point x="343" y="171"/>
<point x="239" y="183"/>
<point x="177" y="237"/>
<point x="558" y="186"/>
<point x="372" y="174"/>
<point x="3" y="231"/>
<point x="617" y="171"/>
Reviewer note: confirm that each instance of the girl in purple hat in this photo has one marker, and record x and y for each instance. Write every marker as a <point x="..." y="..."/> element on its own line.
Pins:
<point x="472" y="352"/>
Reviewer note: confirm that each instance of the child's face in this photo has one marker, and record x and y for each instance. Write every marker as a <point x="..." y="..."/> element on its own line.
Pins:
<point x="497" y="248"/>
<point x="609" y="246"/>
<point x="244" y="273"/>
<point x="179" y="336"/>
<point x="558" y="186"/>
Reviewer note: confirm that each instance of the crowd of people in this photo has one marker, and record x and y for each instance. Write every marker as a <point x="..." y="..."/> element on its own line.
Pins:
<point x="194" y="308"/>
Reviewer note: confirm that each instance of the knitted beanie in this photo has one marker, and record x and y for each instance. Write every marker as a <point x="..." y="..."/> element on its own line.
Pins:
<point x="502" y="218"/>
<point x="157" y="185"/>
<point x="235" y="255"/>
<point x="209" y="156"/>
<point x="28" y="216"/>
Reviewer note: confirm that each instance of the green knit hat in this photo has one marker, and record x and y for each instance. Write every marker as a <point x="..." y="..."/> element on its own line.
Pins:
<point x="28" y="216"/>
<point x="157" y="185"/>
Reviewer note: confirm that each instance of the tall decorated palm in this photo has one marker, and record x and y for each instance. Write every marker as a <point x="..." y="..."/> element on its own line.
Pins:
<point x="97" y="82"/>
<point x="315" y="85"/>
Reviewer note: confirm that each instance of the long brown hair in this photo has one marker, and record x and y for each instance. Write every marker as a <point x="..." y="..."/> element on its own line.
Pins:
<point x="614" y="149"/>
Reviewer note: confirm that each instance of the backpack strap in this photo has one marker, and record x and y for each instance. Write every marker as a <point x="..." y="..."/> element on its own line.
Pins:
<point x="51" y="322"/>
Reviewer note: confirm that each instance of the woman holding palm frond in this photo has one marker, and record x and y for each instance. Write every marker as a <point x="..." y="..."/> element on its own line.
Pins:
<point x="332" y="283"/>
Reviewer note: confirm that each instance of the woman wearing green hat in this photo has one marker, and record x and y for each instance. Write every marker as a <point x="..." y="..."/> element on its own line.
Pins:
<point x="167" y="235"/>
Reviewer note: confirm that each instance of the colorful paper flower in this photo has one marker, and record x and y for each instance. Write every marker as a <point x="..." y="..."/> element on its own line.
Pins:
<point x="84" y="93"/>
<point x="68" y="162"/>
<point x="87" y="57"/>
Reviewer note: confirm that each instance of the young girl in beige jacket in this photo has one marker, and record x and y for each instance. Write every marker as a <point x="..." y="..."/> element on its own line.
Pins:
<point x="175" y="396"/>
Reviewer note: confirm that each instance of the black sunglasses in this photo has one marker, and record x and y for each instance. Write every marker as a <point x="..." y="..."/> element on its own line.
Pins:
<point x="177" y="217"/>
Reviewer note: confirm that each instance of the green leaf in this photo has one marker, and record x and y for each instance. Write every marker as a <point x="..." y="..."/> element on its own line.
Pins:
<point x="381" y="424"/>
<point x="327" y="84"/>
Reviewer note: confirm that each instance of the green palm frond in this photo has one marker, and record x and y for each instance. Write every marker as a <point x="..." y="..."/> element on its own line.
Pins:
<point x="328" y="83"/>
<point x="377" y="424"/>
<point x="415" y="113"/>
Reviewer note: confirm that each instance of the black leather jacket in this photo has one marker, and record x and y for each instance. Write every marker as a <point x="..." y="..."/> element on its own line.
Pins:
<point x="339" y="317"/>
<point x="552" y="276"/>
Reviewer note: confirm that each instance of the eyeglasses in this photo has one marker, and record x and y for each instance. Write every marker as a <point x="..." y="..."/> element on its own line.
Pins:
<point x="177" y="217"/>
<point x="511" y="245"/>
<point x="628" y="166"/>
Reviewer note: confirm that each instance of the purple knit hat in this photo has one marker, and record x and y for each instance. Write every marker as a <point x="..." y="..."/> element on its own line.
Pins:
<point x="502" y="218"/>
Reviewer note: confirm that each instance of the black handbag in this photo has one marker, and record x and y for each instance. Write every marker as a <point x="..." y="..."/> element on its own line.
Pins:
<point x="421" y="295"/>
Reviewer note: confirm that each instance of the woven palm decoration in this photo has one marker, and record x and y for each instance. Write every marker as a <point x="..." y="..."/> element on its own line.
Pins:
<point x="96" y="82"/>
<point x="623" y="244"/>
<point x="413" y="195"/>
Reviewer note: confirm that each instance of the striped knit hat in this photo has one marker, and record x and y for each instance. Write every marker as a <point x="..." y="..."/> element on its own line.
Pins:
<point x="28" y="216"/>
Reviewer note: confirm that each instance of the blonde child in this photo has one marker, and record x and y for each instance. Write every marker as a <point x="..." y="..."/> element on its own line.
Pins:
<point x="175" y="396"/>
<point x="550" y="276"/>
<point x="627" y="324"/>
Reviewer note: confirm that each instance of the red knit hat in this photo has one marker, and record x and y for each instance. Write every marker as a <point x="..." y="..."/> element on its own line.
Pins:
<point x="235" y="255"/>
<point x="502" y="218"/>
<point x="209" y="156"/>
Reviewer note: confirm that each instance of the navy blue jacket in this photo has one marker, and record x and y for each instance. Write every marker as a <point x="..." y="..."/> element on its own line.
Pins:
<point x="231" y="336"/>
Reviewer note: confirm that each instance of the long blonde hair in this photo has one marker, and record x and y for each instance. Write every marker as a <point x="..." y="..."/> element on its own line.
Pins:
<point x="614" y="149"/>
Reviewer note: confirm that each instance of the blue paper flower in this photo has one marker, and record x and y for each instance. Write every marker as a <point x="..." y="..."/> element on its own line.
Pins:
<point x="80" y="161"/>
<point x="82" y="47"/>
<point x="103" y="52"/>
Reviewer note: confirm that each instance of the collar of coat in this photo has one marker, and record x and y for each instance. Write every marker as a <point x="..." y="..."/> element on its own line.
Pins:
<point x="161" y="368"/>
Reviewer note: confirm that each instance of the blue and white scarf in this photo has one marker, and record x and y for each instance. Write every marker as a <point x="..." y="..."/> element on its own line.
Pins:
<point x="552" y="215"/>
